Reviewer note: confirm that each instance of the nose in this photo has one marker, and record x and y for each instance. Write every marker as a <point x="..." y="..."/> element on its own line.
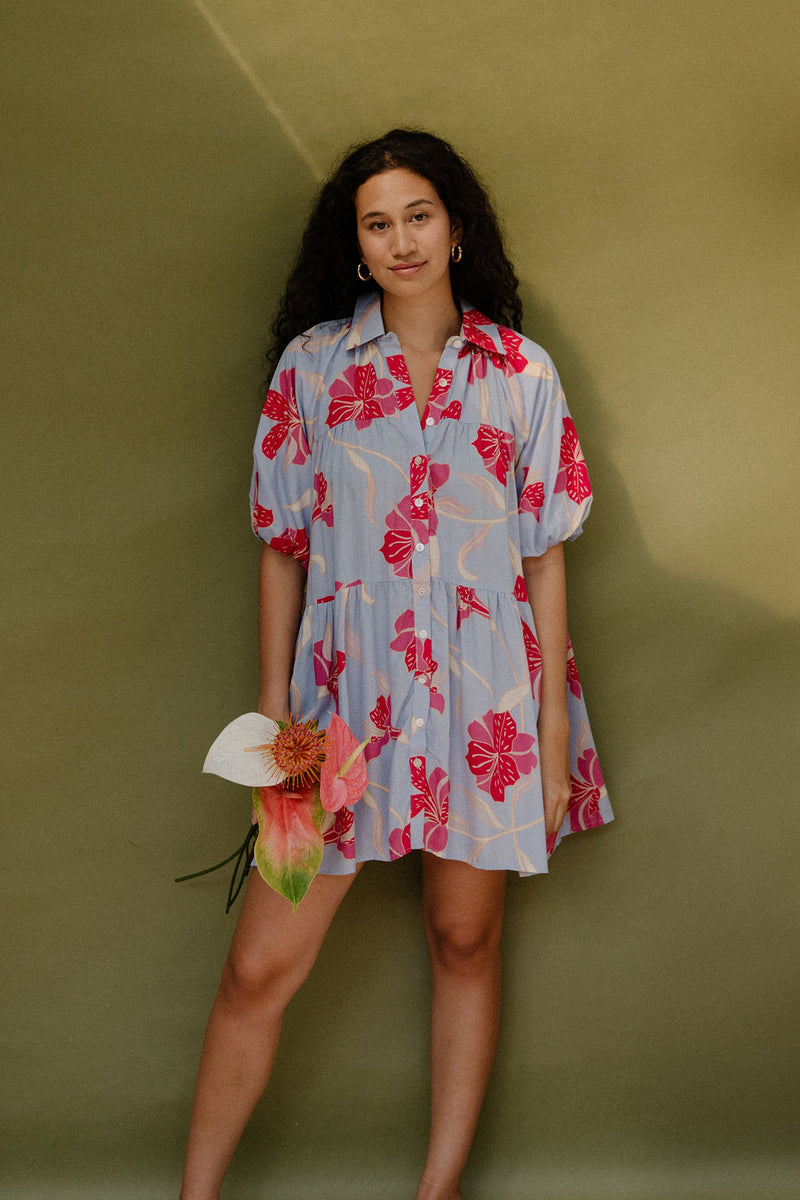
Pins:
<point x="403" y="242"/>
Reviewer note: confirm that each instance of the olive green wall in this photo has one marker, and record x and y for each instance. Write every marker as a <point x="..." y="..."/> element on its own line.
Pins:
<point x="644" y="158"/>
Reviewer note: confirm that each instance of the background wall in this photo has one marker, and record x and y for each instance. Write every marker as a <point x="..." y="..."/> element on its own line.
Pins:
<point x="164" y="155"/>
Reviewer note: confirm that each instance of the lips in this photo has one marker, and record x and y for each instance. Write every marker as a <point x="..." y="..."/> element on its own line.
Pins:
<point x="407" y="269"/>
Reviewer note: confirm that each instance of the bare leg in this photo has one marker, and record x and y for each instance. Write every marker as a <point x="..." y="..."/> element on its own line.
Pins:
<point x="272" y="952"/>
<point x="463" y="921"/>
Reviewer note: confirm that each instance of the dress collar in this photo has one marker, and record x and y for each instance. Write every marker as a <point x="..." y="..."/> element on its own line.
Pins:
<point x="367" y="325"/>
<point x="367" y="321"/>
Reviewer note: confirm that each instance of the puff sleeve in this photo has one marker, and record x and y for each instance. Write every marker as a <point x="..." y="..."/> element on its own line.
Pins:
<point x="282" y="485"/>
<point x="553" y="490"/>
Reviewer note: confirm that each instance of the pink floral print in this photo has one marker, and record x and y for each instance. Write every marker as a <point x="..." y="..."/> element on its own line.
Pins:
<point x="573" y="474"/>
<point x="468" y="602"/>
<point x="281" y="407"/>
<point x="340" y="833"/>
<point x="400" y="842"/>
<point x="413" y="519"/>
<point x="261" y="517"/>
<point x="587" y="789"/>
<point x="532" y="498"/>
<point x="496" y="448"/>
<point x="479" y="361"/>
<point x="328" y="669"/>
<point x="534" y="657"/>
<point x="513" y="361"/>
<point x="323" y="507"/>
<point x="417" y="653"/>
<point x="358" y="396"/>
<point x="400" y="541"/>
<point x="573" y="678"/>
<point x="497" y="754"/>
<point x="403" y="396"/>
<point x="476" y="330"/>
<point x="431" y="796"/>
<point x="418" y="471"/>
<point x="381" y="718"/>
<point x="293" y="542"/>
<point x="436" y="407"/>
<point x="482" y="351"/>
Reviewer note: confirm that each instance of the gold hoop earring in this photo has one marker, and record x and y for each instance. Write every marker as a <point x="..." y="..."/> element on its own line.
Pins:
<point x="456" y="253"/>
<point x="363" y="278"/>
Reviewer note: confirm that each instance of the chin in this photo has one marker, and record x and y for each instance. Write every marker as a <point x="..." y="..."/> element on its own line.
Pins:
<point x="416" y="286"/>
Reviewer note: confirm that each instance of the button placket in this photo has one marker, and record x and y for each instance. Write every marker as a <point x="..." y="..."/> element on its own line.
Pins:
<point x="420" y="576"/>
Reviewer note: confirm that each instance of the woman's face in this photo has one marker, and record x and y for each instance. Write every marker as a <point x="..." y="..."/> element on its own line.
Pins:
<point x="405" y="233"/>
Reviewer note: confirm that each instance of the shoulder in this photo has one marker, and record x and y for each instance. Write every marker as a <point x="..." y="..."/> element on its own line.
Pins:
<point x="319" y="339"/>
<point x="318" y="355"/>
<point x="510" y="351"/>
<point x="527" y="380"/>
<point x="311" y="359"/>
<point x="311" y="362"/>
<point x="526" y="357"/>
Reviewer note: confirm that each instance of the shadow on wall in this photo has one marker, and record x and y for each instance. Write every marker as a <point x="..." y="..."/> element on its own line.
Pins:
<point x="671" y="923"/>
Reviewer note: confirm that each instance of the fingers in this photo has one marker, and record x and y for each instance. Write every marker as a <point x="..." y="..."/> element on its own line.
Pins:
<point x="556" y="803"/>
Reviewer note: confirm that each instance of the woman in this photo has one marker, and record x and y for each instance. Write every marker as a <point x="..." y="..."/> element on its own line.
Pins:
<point x="416" y="473"/>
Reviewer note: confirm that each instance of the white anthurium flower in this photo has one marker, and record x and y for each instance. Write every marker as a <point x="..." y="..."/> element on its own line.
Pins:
<point x="243" y="752"/>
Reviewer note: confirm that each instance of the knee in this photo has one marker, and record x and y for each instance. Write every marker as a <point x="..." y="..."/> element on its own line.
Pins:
<point x="252" y="983"/>
<point x="463" y="946"/>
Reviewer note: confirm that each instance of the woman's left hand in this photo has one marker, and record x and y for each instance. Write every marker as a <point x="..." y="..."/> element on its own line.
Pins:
<point x="554" y="763"/>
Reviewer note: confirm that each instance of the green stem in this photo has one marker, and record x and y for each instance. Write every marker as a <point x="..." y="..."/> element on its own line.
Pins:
<point x="243" y="855"/>
<point x="208" y="870"/>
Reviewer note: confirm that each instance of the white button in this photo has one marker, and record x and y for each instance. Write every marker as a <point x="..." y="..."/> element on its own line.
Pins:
<point x="458" y="343"/>
<point x="418" y="501"/>
<point x="429" y="421"/>
<point x="416" y="762"/>
<point x="420" y="546"/>
<point x="423" y="633"/>
<point x="417" y="459"/>
<point x="422" y="591"/>
<point x="418" y="721"/>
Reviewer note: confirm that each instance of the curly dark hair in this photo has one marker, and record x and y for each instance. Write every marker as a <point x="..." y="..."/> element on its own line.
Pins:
<point x="324" y="285"/>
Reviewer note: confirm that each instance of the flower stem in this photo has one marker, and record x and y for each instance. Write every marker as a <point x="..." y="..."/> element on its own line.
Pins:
<point x="242" y="855"/>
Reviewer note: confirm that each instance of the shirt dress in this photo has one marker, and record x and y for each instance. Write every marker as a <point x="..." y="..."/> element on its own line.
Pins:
<point x="417" y="628"/>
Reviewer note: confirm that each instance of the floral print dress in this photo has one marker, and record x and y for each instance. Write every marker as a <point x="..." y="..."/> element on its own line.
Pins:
<point x="417" y="628"/>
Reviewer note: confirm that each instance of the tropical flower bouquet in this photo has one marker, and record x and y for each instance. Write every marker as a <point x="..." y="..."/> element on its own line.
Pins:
<point x="300" y="776"/>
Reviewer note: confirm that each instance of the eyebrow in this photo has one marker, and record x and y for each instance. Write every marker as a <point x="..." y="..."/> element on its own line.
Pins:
<point x="413" y="204"/>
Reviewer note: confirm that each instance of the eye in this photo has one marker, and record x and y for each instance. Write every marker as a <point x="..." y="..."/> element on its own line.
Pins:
<point x="420" y="217"/>
<point x="378" y="225"/>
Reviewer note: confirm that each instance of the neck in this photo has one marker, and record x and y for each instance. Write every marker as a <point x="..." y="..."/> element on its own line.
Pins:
<point x="421" y="323"/>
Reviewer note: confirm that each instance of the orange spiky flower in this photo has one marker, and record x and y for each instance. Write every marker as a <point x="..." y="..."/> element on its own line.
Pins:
<point x="298" y="751"/>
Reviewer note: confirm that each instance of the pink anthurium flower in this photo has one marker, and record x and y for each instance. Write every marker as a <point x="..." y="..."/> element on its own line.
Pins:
<point x="343" y="778"/>
<point x="288" y="850"/>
